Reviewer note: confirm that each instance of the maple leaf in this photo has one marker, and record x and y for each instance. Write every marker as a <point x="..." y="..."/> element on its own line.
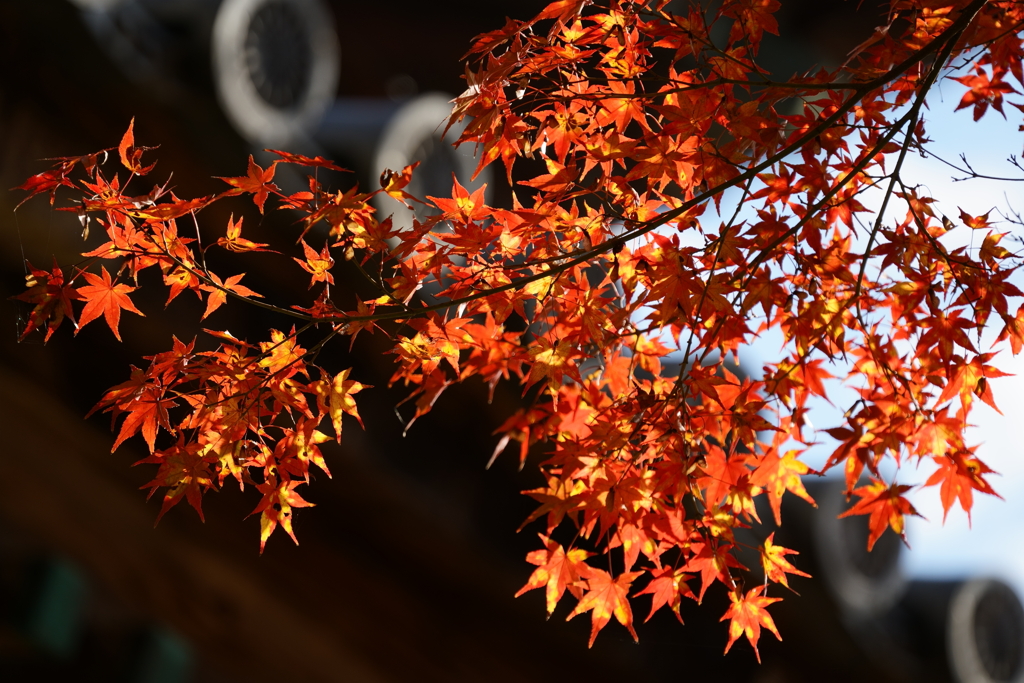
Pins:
<point x="51" y="298"/>
<point x="219" y="292"/>
<point x="775" y="564"/>
<point x="974" y="222"/>
<point x="886" y="507"/>
<point x="298" y="448"/>
<point x="970" y="380"/>
<point x="103" y="297"/>
<point x="606" y="596"/>
<point x="552" y="361"/>
<point x="959" y="474"/>
<point x="276" y="508"/>
<point x="131" y="156"/>
<point x="173" y="209"/>
<point x="754" y="17"/>
<point x="557" y="571"/>
<point x="301" y="160"/>
<point x="146" y="404"/>
<point x="334" y="397"/>
<point x="324" y="307"/>
<point x="394" y="184"/>
<point x="667" y="587"/>
<point x="319" y="265"/>
<point x="721" y="475"/>
<point x="778" y="475"/>
<point x="747" y="615"/>
<point x="184" y="472"/>
<point x="562" y="10"/>
<point x="713" y="562"/>
<point x="233" y="240"/>
<point x="462" y="205"/>
<point x="178" y="280"/>
<point x="983" y="92"/>
<point x="47" y="181"/>
<point x="256" y="181"/>
<point x="282" y="353"/>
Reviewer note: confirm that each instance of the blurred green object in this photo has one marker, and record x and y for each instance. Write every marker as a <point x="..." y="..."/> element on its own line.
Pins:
<point x="53" y="619"/>
<point x="165" y="658"/>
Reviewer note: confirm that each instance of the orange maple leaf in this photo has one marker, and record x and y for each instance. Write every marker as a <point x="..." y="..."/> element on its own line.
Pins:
<point x="256" y="181"/>
<point x="394" y="183"/>
<point x="713" y="563"/>
<point x="777" y="475"/>
<point x="462" y="205"/>
<point x="959" y="474"/>
<point x="563" y="10"/>
<point x="319" y="265"/>
<point x="887" y="508"/>
<point x="668" y="587"/>
<point x="775" y="564"/>
<point x="971" y="379"/>
<point x="131" y="156"/>
<point x="276" y="508"/>
<point x="302" y="160"/>
<point x="102" y="296"/>
<point x="606" y="596"/>
<point x="219" y="291"/>
<point x="233" y="241"/>
<point x="172" y="209"/>
<point x="334" y="397"/>
<point x="145" y="404"/>
<point x="557" y="571"/>
<point x="748" y="615"/>
<point x="185" y="474"/>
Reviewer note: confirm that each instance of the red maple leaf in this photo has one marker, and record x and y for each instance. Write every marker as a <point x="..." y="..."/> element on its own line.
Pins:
<point x="47" y="181"/>
<point x="302" y="160"/>
<point x="185" y="474"/>
<point x="102" y="296"/>
<point x="984" y="92"/>
<point x="131" y="156"/>
<point x="51" y="298"/>
<point x="256" y="181"/>
<point x="144" y="401"/>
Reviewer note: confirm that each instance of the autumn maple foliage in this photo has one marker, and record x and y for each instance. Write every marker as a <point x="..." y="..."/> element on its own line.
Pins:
<point x="610" y="289"/>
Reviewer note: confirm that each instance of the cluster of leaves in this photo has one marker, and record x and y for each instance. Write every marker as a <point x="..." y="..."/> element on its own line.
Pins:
<point x="612" y="294"/>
